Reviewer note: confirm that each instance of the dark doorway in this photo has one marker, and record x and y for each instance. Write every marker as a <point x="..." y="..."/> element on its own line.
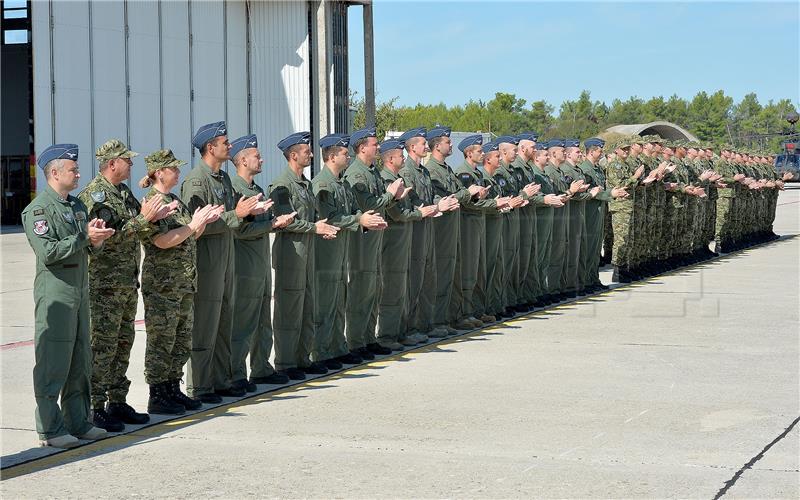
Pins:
<point x="19" y="179"/>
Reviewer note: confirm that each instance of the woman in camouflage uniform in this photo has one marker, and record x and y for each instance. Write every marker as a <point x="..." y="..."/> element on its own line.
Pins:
<point x="169" y="281"/>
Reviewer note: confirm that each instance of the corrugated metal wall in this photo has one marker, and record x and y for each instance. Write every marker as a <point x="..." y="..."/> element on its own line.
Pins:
<point x="150" y="72"/>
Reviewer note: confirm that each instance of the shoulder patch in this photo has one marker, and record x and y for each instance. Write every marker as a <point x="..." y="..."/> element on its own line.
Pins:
<point x="98" y="196"/>
<point x="40" y="227"/>
<point x="38" y="211"/>
<point x="196" y="182"/>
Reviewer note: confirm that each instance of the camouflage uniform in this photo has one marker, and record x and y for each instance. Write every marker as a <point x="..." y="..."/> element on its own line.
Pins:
<point x="623" y="213"/>
<point x="169" y="281"/>
<point x="113" y="279"/>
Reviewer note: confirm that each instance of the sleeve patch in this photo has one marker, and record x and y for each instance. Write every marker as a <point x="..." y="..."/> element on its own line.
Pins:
<point x="38" y="211"/>
<point x="40" y="227"/>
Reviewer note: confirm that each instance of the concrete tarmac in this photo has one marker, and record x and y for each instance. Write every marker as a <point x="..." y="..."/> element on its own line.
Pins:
<point x="685" y="385"/>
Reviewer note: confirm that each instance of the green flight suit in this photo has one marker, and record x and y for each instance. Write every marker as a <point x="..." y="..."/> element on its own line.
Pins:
<point x="113" y="286"/>
<point x="592" y="238"/>
<point x="447" y="235"/>
<point x="364" y="285"/>
<point x="495" y="267"/>
<point x="544" y="230"/>
<point x="393" y="321"/>
<point x="527" y="270"/>
<point x="473" y="242"/>
<point x="210" y="361"/>
<point x="556" y="277"/>
<point x="252" y="316"/>
<point x="577" y="226"/>
<point x="336" y="203"/>
<point x="509" y="184"/>
<point x="56" y="231"/>
<point x="293" y="261"/>
<point x="421" y="271"/>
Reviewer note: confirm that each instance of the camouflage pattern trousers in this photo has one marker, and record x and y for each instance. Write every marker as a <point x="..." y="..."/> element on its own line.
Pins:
<point x="169" y="318"/>
<point x="112" y="315"/>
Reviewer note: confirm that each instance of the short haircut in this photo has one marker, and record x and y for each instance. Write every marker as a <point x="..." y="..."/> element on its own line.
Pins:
<point x="357" y="144"/>
<point x="57" y="164"/>
<point x="331" y="151"/>
<point x="592" y="148"/>
<point x="287" y="153"/>
<point x="432" y="143"/>
<point x="470" y="149"/>
<point x="413" y="141"/>
<point x="104" y="165"/>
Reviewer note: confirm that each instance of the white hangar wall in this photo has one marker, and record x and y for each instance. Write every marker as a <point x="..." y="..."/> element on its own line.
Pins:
<point x="150" y="72"/>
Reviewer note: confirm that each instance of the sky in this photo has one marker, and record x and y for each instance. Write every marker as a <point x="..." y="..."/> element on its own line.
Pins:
<point x="454" y="51"/>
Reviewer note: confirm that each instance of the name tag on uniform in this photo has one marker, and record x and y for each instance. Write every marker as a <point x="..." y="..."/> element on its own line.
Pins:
<point x="81" y="216"/>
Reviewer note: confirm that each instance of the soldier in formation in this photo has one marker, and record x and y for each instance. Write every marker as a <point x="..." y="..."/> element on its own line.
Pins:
<point x="376" y="253"/>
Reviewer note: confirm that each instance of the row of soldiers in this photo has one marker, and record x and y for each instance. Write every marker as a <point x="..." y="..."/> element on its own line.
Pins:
<point x="683" y="197"/>
<point x="374" y="254"/>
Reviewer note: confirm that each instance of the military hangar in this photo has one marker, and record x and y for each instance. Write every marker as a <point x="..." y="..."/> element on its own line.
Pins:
<point x="150" y="72"/>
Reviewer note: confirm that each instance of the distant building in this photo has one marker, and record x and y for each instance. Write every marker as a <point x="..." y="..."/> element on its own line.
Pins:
<point x="664" y="129"/>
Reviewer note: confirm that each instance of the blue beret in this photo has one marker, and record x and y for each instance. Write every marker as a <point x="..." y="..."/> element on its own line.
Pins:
<point x="470" y="140"/>
<point x="572" y="143"/>
<point x="391" y="144"/>
<point x="555" y="143"/>
<point x="208" y="132"/>
<point x="334" y="140"/>
<point x="414" y="132"/>
<point x="362" y="134"/>
<point x="296" y="138"/>
<point x="490" y="146"/>
<point x="507" y="138"/>
<point x="594" y="141"/>
<point x="438" y="132"/>
<point x="528" y="136"/>
<point x="242" y="143"/>
<point x="58" y="152"/>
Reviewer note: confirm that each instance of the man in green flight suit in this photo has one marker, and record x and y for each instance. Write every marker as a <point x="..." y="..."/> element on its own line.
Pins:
<point x="447" y="315"/>
<point x="209" y="369"/>
<point x="393" y="320"/>
<point x="364" y="285"/>
<point x="473" y="231"/>
<point x="252" y="316"/>
<point x="577" y="216"/>
<point x="528" y="270"/>
<point x="336" y="203"/>
<point x="595" y="213"/>
<point x="114" y="282"/>
<point x="422" y="272"/>
<point x="293" y="261"/>
<point x="58" y="232"/>
<point x="544" y="222"/>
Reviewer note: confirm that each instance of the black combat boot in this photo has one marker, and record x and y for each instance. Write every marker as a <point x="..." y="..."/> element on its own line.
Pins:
<point x="101" y="419"/>
<point x="174" y="391"/>
<point x="160" y="401"/>
<point x="126" y="414"/>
